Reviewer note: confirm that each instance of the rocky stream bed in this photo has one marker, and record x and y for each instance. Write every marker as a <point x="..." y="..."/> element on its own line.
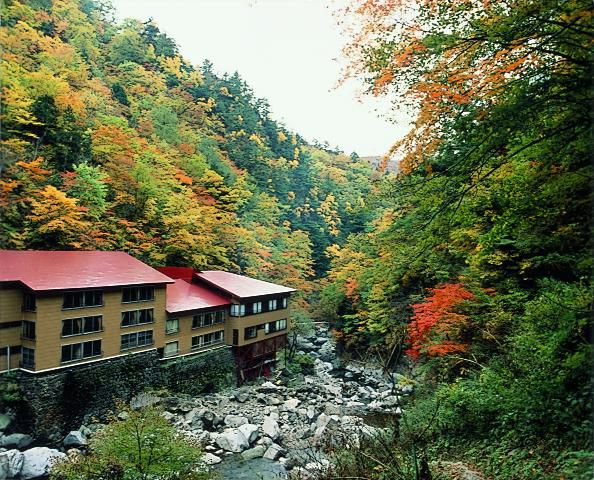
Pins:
<point x="271" y="429"/>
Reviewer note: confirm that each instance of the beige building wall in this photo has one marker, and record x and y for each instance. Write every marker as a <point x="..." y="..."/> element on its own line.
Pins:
<point x="49" y="340"/>
<point x="11" y="303"/>
<point x="241" y="323"/>
<point x="186" y="332"/>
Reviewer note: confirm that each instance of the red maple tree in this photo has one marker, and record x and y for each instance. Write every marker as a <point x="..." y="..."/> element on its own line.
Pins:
<point x="435" y="319"/>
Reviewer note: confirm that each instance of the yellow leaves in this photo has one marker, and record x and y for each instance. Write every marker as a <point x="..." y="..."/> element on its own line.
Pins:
<point x="281" y="136"/>
<point x="54" y="213"/>
<point x="225" y="91"/>
<point x="254" y="137"/>
<point x="172" y="66"/>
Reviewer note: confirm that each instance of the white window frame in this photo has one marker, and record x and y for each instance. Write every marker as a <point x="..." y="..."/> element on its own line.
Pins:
<point x="169" y="331"/>
<point x="256" y="308"/>
<point x="237" y="310"/>
<point x="170" y="353"/>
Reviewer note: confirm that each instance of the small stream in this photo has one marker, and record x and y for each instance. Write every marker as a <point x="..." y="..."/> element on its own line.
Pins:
<point x="235" y="467"/>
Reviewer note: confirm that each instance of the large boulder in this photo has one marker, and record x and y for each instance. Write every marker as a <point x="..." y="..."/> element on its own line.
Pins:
<point x="16" y="440"/>
<point x="256" y="452"/>
<point x="232" y="440"/>
<point x="235" y="421"/>
<point x="273" y="452"/>
<point x="75" y="439"/>
<point x="11" y="463"/>
<point x="249" y="431"/>
<point x="38" y="461"/>
<point x="270" y="428"/>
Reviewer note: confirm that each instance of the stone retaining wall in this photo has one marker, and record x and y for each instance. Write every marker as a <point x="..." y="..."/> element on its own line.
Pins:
<point x="56" y="402"/>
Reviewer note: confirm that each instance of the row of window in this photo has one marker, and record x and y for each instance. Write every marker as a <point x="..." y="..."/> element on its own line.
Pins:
<point x="239" y="310"/>
<point x="92" y="298"/>
<point x="92" y="348"/>
<point x="94" y="323"/>
<point x="269" y="327"/>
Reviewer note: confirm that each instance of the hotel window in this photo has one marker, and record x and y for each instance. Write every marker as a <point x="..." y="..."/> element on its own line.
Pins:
<point x="28" y="357"/>
<point x="256" y="307"/>
<point x="79" y="351"/>
<point x="207" y="339"/>
<point x="28" y="330"/>
<point x="79" y="326"/>
<point x="29" y="302"/>
<point x="237" y="310"/>
<point x="172" y="325"/>
<point x="272" y="327"/>
<point x="171" y="348"/>
<point x="136" y="339"/>
<point x="285" y="302"/>
<point x="250" y="332"/>
<point x="272" y="305"/>
<point x="220" y="316"/>
<point x="89" y="298"/>
<point x="137" y="317"/>
<point x="137" y="294"/>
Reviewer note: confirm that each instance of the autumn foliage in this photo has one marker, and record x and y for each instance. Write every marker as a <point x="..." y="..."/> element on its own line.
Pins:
<point x="435" y="320"/>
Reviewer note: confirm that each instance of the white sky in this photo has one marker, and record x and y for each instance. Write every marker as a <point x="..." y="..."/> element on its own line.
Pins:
<point x="287" y="51"/>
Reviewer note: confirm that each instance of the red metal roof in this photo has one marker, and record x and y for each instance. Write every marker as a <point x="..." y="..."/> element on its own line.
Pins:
<point x="240" y="286"/>
<point x="185" y="273"/>
<point x="60" y="270"/>
<point x="183" y="296"/>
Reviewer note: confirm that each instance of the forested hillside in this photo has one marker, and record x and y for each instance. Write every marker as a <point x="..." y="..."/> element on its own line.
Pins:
<point x="478" y="273"/>
<point x="468" y="269"/>
<point x="112" y="140"/>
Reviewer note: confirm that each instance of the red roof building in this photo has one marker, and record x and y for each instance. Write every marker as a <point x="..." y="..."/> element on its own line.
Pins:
<point x="183" y="296"/>
<point x="67" y="270"/>
<point x="239" y="286"/>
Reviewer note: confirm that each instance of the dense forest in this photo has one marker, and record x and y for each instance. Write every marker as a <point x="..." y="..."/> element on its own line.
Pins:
<point x="468" y="270"/>
<point x="478" y="270"/>
<point x="111" y="140"/>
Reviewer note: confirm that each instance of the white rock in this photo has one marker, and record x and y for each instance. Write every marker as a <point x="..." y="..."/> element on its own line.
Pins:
<point x="249" y="431"/>
<point x="38" y="461"/>
<point x="291" y="404"/>
<point x="270" y="427"/>
<point x="11" y="463"/>
<point x="211" y="459"/>
<point x="232" y="440"/>
<point x="273" y="452"/>
<point x="235" y="421"/>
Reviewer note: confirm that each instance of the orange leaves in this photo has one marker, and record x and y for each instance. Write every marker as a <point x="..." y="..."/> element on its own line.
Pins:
<point x="34" y="170"/>
<point x="436" y="319"/>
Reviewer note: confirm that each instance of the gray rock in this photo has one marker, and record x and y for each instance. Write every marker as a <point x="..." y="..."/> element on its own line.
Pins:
<point x="211" y="459"/>
<point x="235" y="421"/>
<point x="270" y="428"/>
<point x="38" y="461"/>
<point x="256" y="452"/>
<point x="16" y="440"/>
<point x="291" y="404"/>
<point x="232" y="440"/>
<point x="11" y="463"/>
<point x="331" y="409"/>
<point x="74" y="439"/>
<point x="143" y="400"/>
<point x="242" y="397"/>
<point x="5" y="420"/>
<point x="249" y="431"/>
<point x="273" y="452"/>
